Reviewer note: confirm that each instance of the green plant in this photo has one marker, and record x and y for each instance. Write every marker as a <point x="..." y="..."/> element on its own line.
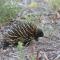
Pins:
<point x="8" y="10"/>
<point x="55" y="4"/>
<point x="33" y="5"/>
<point x="31" y="17"/>
<point x="21" y="51"/>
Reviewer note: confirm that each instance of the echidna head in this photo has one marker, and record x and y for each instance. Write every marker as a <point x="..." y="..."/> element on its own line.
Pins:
<point x="39" y="33"/>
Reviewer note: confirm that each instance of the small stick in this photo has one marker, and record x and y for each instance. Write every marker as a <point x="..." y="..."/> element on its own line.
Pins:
<point x="43" y="55"/>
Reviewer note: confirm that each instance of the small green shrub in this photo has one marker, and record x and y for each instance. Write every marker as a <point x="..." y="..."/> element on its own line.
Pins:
<point x="21" y="51"/>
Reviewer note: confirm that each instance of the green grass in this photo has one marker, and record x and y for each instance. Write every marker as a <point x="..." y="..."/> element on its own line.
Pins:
<point x="8" y="11"/>
<point x="55" y="4"/>
<point x="31" y="17"/>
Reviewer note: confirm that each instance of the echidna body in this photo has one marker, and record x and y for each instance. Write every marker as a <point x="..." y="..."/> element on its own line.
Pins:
<point x="20" y="31"/>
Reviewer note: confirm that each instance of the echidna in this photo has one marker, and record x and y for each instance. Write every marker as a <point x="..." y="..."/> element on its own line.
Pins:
<point x="20" y="31"/>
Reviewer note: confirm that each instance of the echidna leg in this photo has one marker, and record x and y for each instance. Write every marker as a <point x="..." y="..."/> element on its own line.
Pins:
<point x="26" y="42"/>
